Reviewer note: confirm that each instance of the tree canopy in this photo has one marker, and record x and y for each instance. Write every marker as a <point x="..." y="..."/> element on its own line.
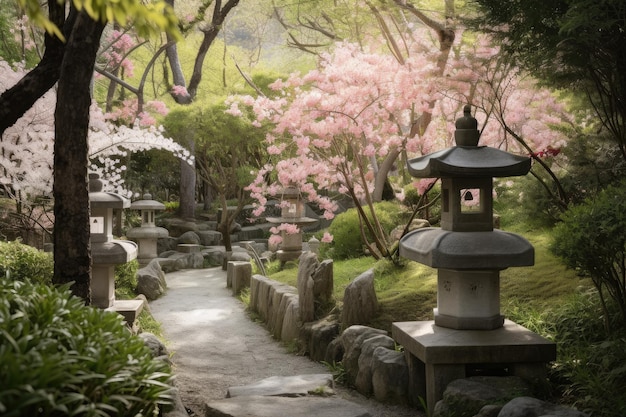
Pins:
<point x="574" y="44"/>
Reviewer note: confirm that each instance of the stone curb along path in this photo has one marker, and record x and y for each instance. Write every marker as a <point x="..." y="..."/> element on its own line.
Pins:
<point x="228" y="365"/>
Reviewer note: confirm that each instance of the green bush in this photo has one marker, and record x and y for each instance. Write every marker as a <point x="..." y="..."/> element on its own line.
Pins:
<point x="589" y="372"/>
<point x="59" y="357"/>
<point x="591" y="238"/>
<point x="345" y="228"/>
<point x="22" y="262"/>
<point x="126" y="279"/>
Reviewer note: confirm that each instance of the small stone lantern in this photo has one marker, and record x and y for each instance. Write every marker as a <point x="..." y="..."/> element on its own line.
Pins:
<point x="148" y="233"/>
<point x="468" y="332"/>
<point x="292" y="212"/>
<point x="105" y="251"/>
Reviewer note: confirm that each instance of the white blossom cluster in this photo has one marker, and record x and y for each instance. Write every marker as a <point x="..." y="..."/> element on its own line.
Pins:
<point x="26" y="148"/>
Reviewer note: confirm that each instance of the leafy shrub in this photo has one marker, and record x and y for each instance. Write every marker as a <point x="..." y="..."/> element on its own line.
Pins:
<point x="345" y="228"/>
<point x="59" y="357"/>
<point x="126" y="279"/>
<point x="592" y="238"/>
<point x="589" y="372"/>
<point x="25" y="262"/>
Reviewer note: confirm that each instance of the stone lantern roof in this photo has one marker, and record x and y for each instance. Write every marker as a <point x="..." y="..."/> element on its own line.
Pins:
<point x="147" y="204"/>
<point x="467" y="159"/>
<point x="102" y="199"/>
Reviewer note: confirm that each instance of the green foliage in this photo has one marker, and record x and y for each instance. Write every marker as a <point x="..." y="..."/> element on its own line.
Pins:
<point x="337" y="370"/>
<point x="171" y="206"/>
<point x="126" y="279"/>
<point x="60" y="357"/>
<point x="589" y="371"/>
<point x="21" y="262"/>
<point x="345" y="228"/>
<point x="147" y="18"/>
<point x="592" y="239"/>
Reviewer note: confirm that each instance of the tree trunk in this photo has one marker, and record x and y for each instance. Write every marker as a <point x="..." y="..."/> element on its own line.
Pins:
<point x="187" y="200"/>
<point x="15" y="101"/>
<point x="72" y="257"/>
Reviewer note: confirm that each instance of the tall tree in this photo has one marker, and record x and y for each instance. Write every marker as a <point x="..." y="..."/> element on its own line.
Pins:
<point x="72" y="258"/>
<point x="575" y="44"/>
<point x="15" y="101"/>
<point x="184" y="93"/>
<point x="83" y="30"/>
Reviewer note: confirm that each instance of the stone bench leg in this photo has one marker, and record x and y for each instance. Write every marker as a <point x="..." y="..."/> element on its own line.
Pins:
<point x="438" y="376"/>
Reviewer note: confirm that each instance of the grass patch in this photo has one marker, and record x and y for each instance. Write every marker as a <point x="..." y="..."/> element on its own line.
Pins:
<point x="409" y="291"/>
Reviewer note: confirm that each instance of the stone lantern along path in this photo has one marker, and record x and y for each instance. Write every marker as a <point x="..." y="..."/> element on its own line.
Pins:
<point x="107" y="252"/>
<point x="469" y="336"/>
<point x="148" y="233"/>
<point x="292" y="213"/>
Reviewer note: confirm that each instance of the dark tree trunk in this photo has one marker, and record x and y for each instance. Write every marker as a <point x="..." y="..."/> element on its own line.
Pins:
<point x="15" y="101"/>
<point x="72" y="257"/>
<point x="187" y="201"/>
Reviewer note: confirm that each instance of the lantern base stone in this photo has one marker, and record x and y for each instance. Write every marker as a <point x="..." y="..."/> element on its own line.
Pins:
<point x="468" y="323"/>
<point x="438" y="355"/>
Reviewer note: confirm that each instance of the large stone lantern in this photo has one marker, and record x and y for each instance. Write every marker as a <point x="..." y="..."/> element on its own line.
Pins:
<point x="148" y="233"/>
<point x="468" y="331"/>
<point x="106" y="252"/>
<point x="292" y="212"/>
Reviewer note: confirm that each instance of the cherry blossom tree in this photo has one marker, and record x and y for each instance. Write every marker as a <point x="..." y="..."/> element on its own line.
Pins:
<point x="26" y="147"/>
<point x="339" y="121"/>
<point x="333" y="126"/>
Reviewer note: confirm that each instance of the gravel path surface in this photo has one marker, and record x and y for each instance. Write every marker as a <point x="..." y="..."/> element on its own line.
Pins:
<point x="215" y="345"/>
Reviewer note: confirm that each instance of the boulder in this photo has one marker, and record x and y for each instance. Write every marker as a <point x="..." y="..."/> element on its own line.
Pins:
<point x="189" y="238"/>
<point x="307" y="265"/>
<point x="214" y="256"/>
<point x="240" y="256"/>
<point x="363" y="380"/>
<point x="390" y="376"/>
<point x="352" y="340"/>
<point x="360" y="303"/>
<point x="240" y="274"/>
<point x="323" y="285"/>
<point x="317" y="336"/>
<point x="151" y="280"/>
<point x="532" y="407"/>
<point x="334" y="351"/>
<point x="157" y="348"/>
<point x="178" y="227"/>
<point x="166" y="244"/>
<point x="467" y="396"/>
<point x="291" y="321"/>
<point x="209" y="237"/>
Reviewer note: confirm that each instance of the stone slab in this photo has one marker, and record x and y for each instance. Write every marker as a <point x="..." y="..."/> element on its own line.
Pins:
<point x="129" y="309"/>
<point x="262" y="406"/>
<point x="188" y="248"/>
<point x="510" y="343"/>
<point x="285" y="386"/>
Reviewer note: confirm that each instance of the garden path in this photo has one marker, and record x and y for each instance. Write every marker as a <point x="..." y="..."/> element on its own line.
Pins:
<point x="215" y="345"/>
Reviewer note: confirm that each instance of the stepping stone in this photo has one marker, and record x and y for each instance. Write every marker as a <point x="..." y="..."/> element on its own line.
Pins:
<point x="285" y="386"/>
<point x="262" y="406"/>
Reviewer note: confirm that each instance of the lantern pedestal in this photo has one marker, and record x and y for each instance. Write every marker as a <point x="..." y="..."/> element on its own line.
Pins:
<point x="438" y="355"/>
